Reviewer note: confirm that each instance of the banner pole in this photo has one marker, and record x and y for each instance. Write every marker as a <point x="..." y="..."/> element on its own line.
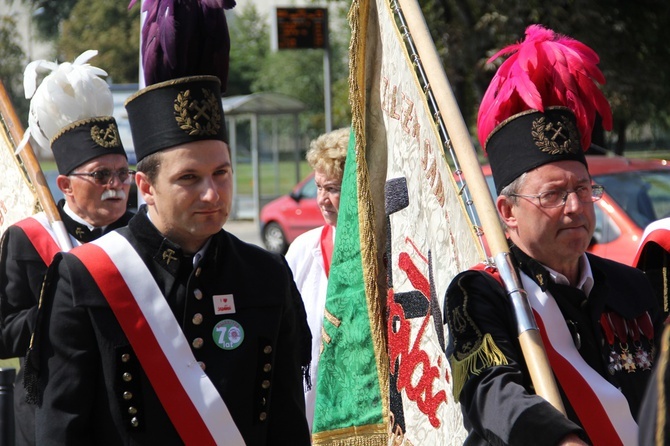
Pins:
<point x="34" y="170"/>
<point x="529" y="335"/>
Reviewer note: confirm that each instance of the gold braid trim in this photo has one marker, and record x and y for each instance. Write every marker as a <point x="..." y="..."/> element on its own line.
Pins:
<point x="370" y="435"/>
<point x="664" y="271"/>
<point x="361" y="13"/>
<point x="487" y="354"/>
<point x="661" y="404"/>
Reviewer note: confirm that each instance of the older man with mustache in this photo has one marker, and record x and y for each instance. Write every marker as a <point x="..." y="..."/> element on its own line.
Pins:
<point x="95" y="180"/>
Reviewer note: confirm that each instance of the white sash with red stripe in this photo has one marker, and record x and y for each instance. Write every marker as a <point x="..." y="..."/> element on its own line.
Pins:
<point x="42" y="236"/>
<point x="602" y="409"/>
<point x="189" y="397"/>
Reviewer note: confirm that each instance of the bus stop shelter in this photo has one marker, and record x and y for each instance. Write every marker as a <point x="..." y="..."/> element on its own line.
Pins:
<point x="262" y="128"/>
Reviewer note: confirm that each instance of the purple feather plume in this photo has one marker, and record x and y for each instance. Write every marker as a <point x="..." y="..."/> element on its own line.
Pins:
<point x="185" y="38"/>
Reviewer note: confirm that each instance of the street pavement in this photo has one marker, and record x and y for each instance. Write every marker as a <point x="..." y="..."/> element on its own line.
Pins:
<point x="245" y="230"/>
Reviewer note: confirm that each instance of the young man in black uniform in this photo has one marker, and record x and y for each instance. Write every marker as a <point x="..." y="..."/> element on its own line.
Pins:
<point x="171" y="330"/>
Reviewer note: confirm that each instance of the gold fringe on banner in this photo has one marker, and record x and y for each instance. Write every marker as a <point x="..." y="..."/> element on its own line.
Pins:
<point x="373" y="435"/>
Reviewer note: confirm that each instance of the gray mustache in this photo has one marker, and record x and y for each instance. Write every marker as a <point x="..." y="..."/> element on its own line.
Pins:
<point x="111" y="193"/>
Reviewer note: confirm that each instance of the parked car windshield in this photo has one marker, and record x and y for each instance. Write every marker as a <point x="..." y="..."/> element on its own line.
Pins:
<point x="309" y="189"/>
<point x="644" y="195"/>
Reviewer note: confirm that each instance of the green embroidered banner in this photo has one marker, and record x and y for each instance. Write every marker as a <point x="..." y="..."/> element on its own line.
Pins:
<point x="351" y="388"/>
<point x="380" y="381"/>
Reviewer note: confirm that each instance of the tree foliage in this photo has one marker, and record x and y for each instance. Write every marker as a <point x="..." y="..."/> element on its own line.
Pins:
<point x="11" y="68"/>
<point x="630" y="37"/>
<point x="48" y="15"/>
<point x="110" y="28"/>
<point x="254" y="68"/>
<point x="249" y="48"/>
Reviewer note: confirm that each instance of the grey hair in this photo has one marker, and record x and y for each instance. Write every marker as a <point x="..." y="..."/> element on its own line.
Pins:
<point x="509" y="192"/>
<point x="514" y="187"/>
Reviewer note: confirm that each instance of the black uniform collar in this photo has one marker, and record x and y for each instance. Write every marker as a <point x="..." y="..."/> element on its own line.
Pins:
<point x="82" y="232"/>
<point x="76" y="229"/>
<point x="532" y="268"/>
<point x="539" y="273"/>
<point x="153" y="244"/>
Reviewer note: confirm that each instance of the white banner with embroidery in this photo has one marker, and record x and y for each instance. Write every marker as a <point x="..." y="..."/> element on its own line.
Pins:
<point x="17" y="198"/>
<point x="431" y="240"/>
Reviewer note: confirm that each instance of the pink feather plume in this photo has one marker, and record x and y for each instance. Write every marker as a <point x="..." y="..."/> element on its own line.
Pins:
<point x="544" y="70"/>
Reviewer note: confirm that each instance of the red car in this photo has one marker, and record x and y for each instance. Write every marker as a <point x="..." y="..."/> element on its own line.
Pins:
<point x="637" y="192"/>
<point x="285" y="218"/>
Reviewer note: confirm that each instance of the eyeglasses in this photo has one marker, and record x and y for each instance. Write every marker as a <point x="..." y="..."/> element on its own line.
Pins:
<point x="106" y="176"/>
<point x="558" y="198"/>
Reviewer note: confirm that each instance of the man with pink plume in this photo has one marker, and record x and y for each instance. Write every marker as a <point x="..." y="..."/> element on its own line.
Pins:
<point x="598" y="320"/>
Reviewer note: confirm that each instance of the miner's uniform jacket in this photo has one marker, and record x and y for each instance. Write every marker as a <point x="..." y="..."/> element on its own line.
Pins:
<point x="21" y="276"/>
<point x="495" y="391"/>
<point x="92" y="389"/>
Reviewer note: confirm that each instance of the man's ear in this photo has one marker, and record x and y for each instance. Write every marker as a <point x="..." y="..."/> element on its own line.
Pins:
<point x="145" y="188"/>
<point x="64" y="183"/>
<point x="506" y="211"/>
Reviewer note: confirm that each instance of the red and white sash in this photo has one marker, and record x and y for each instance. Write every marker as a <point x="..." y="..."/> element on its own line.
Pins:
<point x="602" y="409"/>
<point x="41" y="235"/>
<point x="189" y="397"/>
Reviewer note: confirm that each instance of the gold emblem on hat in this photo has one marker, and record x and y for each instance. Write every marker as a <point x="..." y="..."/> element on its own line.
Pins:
<point x="107" y="137"/>
<point x="198" y="117"/>
<point x="555" y="138"/>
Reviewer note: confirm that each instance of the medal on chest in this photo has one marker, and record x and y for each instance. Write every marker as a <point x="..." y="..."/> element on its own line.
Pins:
<point x="621" y="334"/>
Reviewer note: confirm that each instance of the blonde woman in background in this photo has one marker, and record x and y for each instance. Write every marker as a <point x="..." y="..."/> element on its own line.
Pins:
<point x="310" y="254"/>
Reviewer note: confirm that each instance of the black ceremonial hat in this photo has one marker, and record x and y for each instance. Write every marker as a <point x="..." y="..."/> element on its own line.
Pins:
<point x="84" y="140"/>
<point x="175" y="112"/>
<point x="530" y="139"/>
<point x="184" y="74"/>
<point x="541" y="104"/>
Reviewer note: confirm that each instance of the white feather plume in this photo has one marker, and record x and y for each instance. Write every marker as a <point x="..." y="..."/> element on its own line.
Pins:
<point x="69" y="93"/>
